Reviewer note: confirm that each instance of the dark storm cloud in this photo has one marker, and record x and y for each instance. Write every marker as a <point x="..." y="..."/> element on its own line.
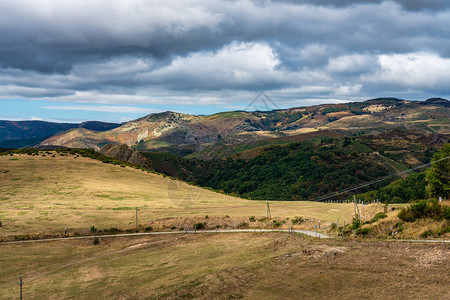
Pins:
<point x="415" y="5"/>
<point x="81" y="50"/>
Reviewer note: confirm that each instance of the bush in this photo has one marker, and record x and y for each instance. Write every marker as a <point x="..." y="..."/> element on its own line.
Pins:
<point x="96" y="240"/>
<point x="199" y="225"/>
<point x="277" y="223"/>
<point x="363" y="231"/>
<point x="356" y="222"/>
<point x="447" y="212"/>
<point x="243" y="224"/>
<point x="397" y="200"/>
<point x="425" y="209"/>
<point x="93" y="229"/>
<point x="297" y="220"/>
<point x="378" y="216"/>
<point x="252" y="219"/>
<point x="426" y="233"/>
<point x="112" y="230"/>
<point x="399" y="226"/>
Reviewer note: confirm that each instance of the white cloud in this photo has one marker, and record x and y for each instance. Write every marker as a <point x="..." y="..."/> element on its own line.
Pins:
<point x="347" y="90"/>
<point x="352" y="63"/>
<point x="237" y="65"/>
<point x="413" y="70"/>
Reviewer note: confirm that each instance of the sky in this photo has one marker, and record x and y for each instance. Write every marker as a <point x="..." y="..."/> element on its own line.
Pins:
<point x="117" y="60"/>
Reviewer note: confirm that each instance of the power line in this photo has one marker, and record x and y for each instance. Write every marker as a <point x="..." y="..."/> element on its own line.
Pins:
<point x="321" y="198"/>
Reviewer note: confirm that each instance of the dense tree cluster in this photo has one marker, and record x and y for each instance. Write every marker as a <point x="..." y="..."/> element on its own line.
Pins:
<point x="405" y="190"/>
<point x="299" y="171"/>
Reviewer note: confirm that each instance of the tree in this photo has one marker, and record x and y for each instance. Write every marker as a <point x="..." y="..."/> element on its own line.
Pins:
<point x="438" y="176"/>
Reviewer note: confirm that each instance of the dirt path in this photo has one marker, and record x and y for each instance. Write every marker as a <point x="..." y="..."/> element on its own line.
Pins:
<point x="304" y="232"/>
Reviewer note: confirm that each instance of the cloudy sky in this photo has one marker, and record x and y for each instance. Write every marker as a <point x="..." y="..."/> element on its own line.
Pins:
<point x="116" y="60"/>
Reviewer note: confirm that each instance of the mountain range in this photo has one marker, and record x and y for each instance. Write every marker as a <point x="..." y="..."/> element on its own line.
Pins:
<point x="223" y="134"/>
<point x="19" y="134"/>
<point x="200" y="135"/>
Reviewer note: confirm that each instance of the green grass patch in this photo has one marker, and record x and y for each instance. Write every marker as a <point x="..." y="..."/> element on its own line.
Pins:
<point x="102" y="196"/>
<point x="123" y="208"/>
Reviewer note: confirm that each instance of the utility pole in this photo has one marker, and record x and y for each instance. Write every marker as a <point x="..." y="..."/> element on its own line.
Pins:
<point x="20" y="283"/>
<point x="269" y="216"/>
<point x="137" y="224"/>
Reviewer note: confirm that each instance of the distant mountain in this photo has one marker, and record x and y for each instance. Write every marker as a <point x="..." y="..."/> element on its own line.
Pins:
<point x="18" y="134"/>
<point x="188" y="134"/>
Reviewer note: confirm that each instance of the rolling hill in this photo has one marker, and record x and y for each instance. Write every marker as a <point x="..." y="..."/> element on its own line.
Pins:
<point x="186" y="134"/>
<point x="19" y="134"/>
<point x="50" y="191"/>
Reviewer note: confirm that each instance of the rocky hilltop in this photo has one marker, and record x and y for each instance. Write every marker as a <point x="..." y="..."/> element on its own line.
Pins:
<point x="169" y="130"/>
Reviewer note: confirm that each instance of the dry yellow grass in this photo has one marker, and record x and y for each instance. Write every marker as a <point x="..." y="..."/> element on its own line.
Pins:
<point x="225" y="266"/>
<point x="47" y="194"/>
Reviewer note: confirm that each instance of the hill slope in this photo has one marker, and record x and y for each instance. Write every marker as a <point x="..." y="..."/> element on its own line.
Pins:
<point x="43" y="193"/>
<point x="18" y="134"/>
<point x="169" y="129"/>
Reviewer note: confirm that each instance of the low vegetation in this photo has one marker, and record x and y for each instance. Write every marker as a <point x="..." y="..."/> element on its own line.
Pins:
<point x="425" y="209"/>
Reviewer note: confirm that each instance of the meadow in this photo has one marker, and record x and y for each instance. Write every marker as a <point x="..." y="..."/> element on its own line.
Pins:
<point x="224" y="266"/>
<point x="50" y="192"/>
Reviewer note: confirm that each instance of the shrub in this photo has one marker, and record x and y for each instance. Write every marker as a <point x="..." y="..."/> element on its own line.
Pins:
<point x="112" y="230"/>
<point x="96" y="240"/>
<point x="399" y="226"/>
<point x="356" y="222"/>
<point x="363" y="231"/>
<point x="378" y="216"/>
<point x="148" y="228"/>
<point x="297" y="220"/>
<point x="426" y="233"/>
<point x="93" y="229"/>
<point x="397" y="200"/>
<point x="447" y="212"/>
<point x="425" y="209"/>
<point x="252" y="219"/>
<point x="1" y="223"/>
<point x="243" y="224"/>
<point x="277" y="223"/>
<point x="333" y="226"/>
<point x="199" y="225"/>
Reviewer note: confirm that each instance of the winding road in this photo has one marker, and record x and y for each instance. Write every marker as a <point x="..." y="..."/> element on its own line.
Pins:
<point x="304" y="232"/>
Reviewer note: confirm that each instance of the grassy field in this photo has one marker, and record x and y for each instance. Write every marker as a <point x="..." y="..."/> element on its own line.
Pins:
<point x="225" y="266"/>
<point x="45" y="194"/>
